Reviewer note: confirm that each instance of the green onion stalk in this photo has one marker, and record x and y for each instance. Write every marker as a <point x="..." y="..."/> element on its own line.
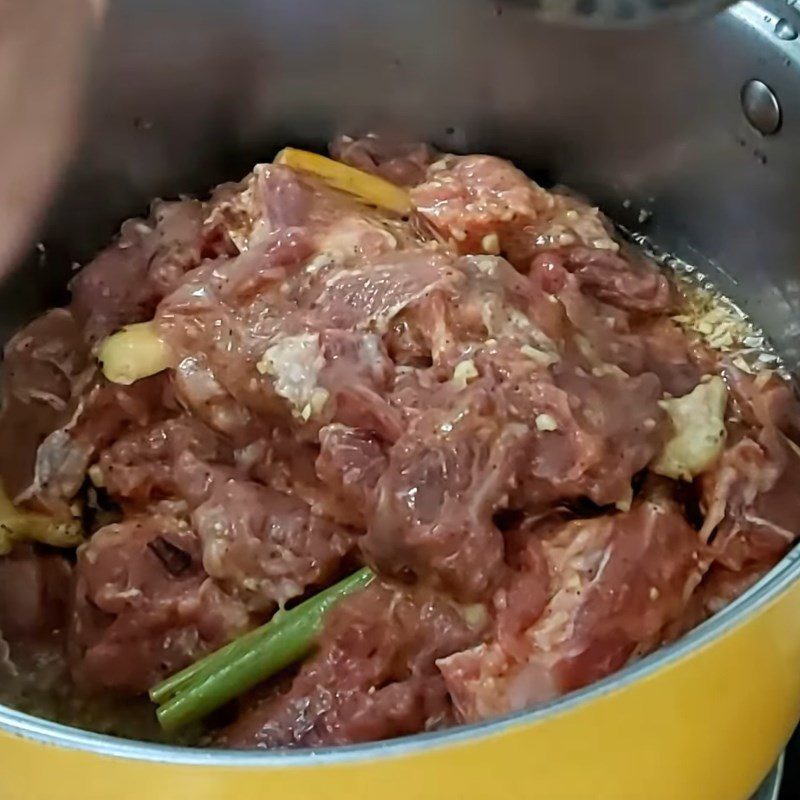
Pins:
<point x="227" y="673"/>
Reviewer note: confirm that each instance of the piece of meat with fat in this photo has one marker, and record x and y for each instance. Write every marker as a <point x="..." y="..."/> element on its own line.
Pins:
<point x="601" y="336"/>
<point x="370" y="297"/>
<point x="518" y="435"/>
<point x="750" y="498"/>
<point x="620" y="279"/>
<point x="125" y="282"/>
<point x="680" y="362"/>
<point x="763" y="400"/>
<point x="745" y="499"/>
<point x="243" y="327"/>
<point x="265" y="547"/>
<point x="103" y="412"/>
<point x="46" y="371"/>
<point x="354" y="378"/>
<point x="34" y="593"/>
<point x="527" y="585"/>
<point x="590" y="433"/>
<point x="445" y="479"/>
<point x="286" y="462"/>
<point x="350" y="463"/>
<point x="469" y="197"/>
<point x="340" y="226"/>
<point x="144" y="607"/>
<point x="485" y="204"/>
<point x="160" y="461"/>
<point x="617" y="581"/>
<point x="373" y="675"/>
<point x="484" y="300"/>
<point x="261" y="545"/>
<point x="572" y="223"/>
<point x="719" y="587"/>
<point x="608" y="428"/>
<point x="279" y="354"/>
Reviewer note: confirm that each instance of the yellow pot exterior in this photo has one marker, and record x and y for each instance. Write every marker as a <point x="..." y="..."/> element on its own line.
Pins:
<point x="707" y="725"/>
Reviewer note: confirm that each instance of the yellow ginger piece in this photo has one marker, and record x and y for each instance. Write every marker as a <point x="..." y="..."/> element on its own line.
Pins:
<point x="19" y="525"/>
<point x="368" y="188"/>
<point x="135" y="352"/>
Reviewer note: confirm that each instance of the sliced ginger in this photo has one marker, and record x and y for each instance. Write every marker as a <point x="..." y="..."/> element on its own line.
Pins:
<point x="20" y="525"/>
<point x="135" y="352"/>
<point x="368" y="188"/>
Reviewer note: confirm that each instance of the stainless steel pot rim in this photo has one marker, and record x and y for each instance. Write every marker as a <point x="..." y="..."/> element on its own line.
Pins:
<point x="770" y="587"/>
<point x="771" y="787"/>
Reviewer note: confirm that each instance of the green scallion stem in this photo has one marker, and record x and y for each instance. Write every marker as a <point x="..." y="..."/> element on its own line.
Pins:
<point x="229" y="672"/>
<point x="168" y="688"/>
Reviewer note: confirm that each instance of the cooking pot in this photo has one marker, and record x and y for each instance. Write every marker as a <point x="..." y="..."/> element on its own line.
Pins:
<point x="687" y="134"/>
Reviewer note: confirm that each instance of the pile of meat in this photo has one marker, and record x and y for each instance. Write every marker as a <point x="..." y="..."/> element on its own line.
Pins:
<point x="486" y="400"/>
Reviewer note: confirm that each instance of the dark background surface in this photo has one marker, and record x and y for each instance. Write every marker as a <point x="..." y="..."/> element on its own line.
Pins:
<point x="790" y="789"/>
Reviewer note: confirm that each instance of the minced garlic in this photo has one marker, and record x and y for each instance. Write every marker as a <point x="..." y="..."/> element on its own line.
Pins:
<point x="546" y="422"/>
<point x="491" y="244"/>
<point x="463" y="373"/>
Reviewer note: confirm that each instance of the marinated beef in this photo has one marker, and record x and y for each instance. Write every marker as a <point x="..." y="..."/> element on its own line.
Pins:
<point x="471" y="398"/>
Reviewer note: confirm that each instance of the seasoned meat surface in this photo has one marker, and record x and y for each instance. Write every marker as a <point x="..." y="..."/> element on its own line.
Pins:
<point x="615" y="583"/>
<point x="374" y="675"/>
<point x="427" y="364"/>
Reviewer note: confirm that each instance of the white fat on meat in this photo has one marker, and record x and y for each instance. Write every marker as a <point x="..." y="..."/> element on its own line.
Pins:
<point x="355" y="236"/>
<point x="294" y="364"/>
<point x="234" y="207"/>
<point x="698" y="421"/>
<point x="573" y="222"/>
<point x="375" y="295"/>
<point x="504" y="321"/>
<point x="347" y="240"/>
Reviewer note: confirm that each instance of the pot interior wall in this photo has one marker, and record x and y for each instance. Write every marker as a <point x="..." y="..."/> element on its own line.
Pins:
<point x="187" y="93"/>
